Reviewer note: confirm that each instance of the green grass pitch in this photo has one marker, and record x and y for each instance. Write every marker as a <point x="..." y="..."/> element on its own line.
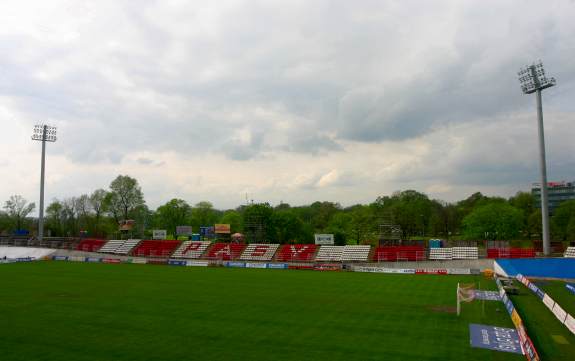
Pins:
<point x="552" y="340"/>
<point x="82" y="311"/>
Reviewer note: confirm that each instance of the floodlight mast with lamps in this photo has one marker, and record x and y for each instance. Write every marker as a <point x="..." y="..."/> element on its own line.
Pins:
<point x="534" y="80"/>
<point x="43" y="133"/>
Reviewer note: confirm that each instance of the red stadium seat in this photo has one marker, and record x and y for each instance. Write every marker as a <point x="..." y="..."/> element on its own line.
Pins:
<point x="225" y="251"/>
<point x="90" y="245"/>
<point x="155" y="248"/>
<point x="399" y="253"/>
<point x="297" y="252"/>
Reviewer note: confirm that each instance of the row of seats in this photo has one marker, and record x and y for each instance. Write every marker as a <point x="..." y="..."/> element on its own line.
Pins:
<point x="90" y="245"/>
<point x="155" y="248"/>
<point x="453" y="253"/>
<point x="259" y="252"/>
<point x="510" y="253"/>
<point x="297" y="252"/>
<point x="118" y="246"/>
<point x="570" y="252"/>
<point x="191" y="250"/>
<point x="399" y="253"/>
<point x="294" y="252"/>
<point x="343" y="253"/>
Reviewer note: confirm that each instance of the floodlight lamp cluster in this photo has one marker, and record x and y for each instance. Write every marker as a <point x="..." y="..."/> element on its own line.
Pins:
<point x="533" y="78"/>
<point x="44" y="132"/>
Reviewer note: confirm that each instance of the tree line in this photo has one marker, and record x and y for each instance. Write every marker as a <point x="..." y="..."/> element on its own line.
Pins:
<point x="414" y="214"/>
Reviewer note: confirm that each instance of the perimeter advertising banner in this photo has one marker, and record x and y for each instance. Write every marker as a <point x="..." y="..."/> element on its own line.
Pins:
<point x="324" y="239"/>
<point x="159" y="234"/>
<point x="495" y="338"/>
<point x="222" y="229"/>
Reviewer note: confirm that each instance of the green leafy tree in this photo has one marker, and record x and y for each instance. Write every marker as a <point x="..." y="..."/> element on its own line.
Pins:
<point x="17" y="209"/>
<point x="258" y="222"/>
<point x="497" y="220"/>
<point x="234" y="219"/>
<point x="97" y="203"/>
<point x="125" y="196"/>
<point x="204" y="214"/>
<point x="561" y="219"/>
<point x="173" y="214"/>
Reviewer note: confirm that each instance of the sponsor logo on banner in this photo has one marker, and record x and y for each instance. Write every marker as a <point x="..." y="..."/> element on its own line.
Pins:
<point x="111" y="260"/>
<point x="570" y="323"/>
<point x="159" y="234"/>
<point x="487" y="295"/>
<point x="92" y="259"/>
<point x="255" y="265"/>
<point x="137" y="260"/>
<point x="509" y="306"/>
<point x="184" y="230"/>
<point x="76" y="259"/>
<point x="222" y="228"/>
<point x="277" y="265"/>
<point x="431" y="271"/>
<point x="60" y="258"/>
<point x="548" y="301"/>
<point x="559" y="313"/>
<point x="324" y="239"/>
<point x="459" y="271"/>
<point x="516" y="319"/>
<point x="197" y="263"/>
<point x="300" y="266"/>
<point x="235" y="264"/>
<point x="540" y="294"/>
<point x="176" y="262"/>
<point x="495" y="338"/>
<point x="327" y="267"/>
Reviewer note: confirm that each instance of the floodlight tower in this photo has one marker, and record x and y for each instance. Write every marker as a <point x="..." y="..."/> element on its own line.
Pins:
<point x="534" y="80"/>
<point x="43" y="133"/>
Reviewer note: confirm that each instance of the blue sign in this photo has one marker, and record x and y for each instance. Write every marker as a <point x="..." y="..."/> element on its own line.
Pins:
<point x="175" y="262"/>
<point x="494" y="338"/>
<point x="235" y="264"/>
<point x="509" y="306"/>
<point x="571" y="287"/>
<point x="487" y="295"/>
<point x="60" y="258"/>
<point x="277" y="265"/>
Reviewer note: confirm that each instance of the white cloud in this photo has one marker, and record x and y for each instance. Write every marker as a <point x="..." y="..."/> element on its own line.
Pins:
<point x="297" y="101"/>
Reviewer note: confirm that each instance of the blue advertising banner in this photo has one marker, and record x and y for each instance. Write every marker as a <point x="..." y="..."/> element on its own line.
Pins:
<point x="278" y="265"/>
<point x="175" y="262"/>
<point x="494" y="338"/>
<point x="509" y="306"/>
<point x="487" y="295"/>
<point x="92" y="259"/>
<point x="235" y="264"/>
<point x="59" y="258"/>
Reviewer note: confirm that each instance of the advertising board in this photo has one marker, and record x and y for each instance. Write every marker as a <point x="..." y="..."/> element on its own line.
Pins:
<point x="222" y="228"/>
<point x="184" y="230"/>
<point x="324" y="239"/>
<point x="159" y="234"/>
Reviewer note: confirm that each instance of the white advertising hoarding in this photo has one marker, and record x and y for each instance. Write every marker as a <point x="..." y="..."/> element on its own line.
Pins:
<point x="159" y="234"/>
<point x="324" y="239"/>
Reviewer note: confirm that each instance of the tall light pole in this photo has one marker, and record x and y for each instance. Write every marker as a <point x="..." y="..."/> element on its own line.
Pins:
<point x="43" y="133"/>
<point x="533" y="80"/>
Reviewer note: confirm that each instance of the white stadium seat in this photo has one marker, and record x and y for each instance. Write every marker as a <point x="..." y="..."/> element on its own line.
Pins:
<point x="259" y="252"/>
<point x="330" y="253"/>
<point x="127" y="246"/>
<point x="465" y="253"/>
<point x="356" y="253"/>
<point x="191" y="249"/>
<point x="111" y="246"/>
<point x="440" y="253"/>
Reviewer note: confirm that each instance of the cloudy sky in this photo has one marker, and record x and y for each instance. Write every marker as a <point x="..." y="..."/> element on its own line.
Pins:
<point x="291" y="101"/>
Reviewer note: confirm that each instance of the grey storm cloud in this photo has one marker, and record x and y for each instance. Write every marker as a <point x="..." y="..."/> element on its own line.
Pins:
<point x="253" y="80"/>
